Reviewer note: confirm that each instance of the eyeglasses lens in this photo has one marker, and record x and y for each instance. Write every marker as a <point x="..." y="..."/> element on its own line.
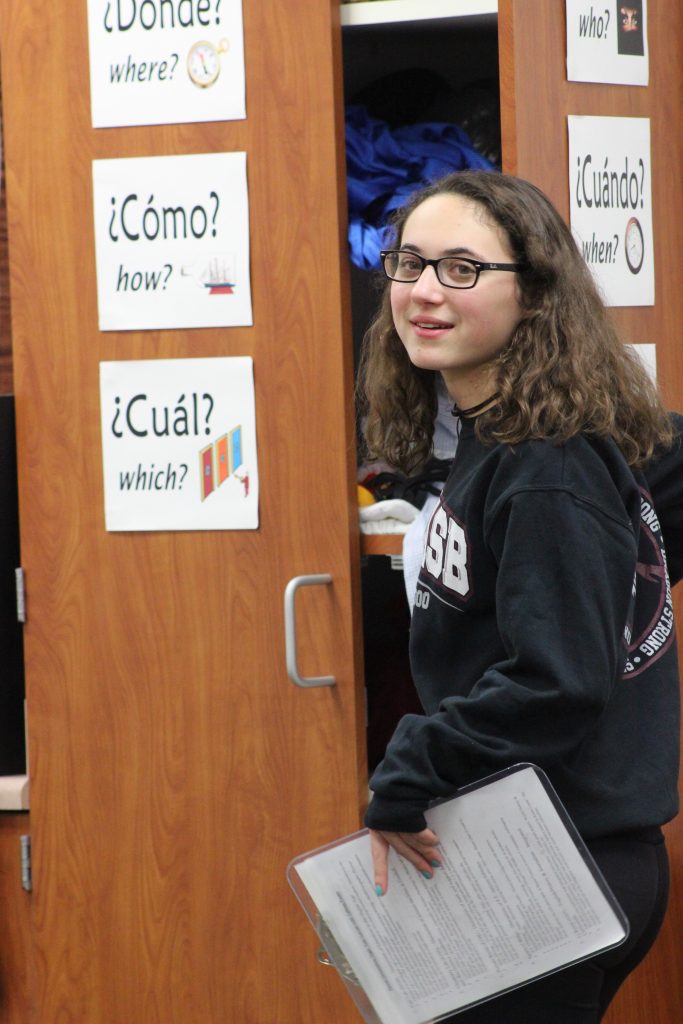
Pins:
<point x="452" y="271"/>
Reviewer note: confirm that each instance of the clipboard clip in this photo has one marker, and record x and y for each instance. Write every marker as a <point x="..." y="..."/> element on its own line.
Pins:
<point x="331" y="955"/>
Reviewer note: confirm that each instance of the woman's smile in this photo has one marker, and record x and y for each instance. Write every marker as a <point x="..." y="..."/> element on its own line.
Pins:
<point x="428" y="326"/>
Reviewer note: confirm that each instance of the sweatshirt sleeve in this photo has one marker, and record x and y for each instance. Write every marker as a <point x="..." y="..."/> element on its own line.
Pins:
<point x="665" y="481"/>
<point x="563" y="592"/>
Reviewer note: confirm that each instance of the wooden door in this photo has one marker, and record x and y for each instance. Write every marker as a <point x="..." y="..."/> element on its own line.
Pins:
<point x="15" y="946"/>
<point x="5" y="326"/>
<point x="175" y="770"/>
<point x="535" y="100"/>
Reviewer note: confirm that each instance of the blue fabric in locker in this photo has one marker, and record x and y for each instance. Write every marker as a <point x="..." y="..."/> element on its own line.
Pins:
<point x="384" y="165"/>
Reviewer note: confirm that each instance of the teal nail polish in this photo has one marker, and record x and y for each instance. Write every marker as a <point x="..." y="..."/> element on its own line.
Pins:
<point x="435" y="863"/>
<point x="425" y="874"/>
<point x="379" y="890"/>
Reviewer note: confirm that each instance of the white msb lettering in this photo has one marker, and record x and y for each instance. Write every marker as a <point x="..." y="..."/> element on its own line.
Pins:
<point x="438" y="531"/>
<point x="445" y="555"/>
<point x="455" y="575"/>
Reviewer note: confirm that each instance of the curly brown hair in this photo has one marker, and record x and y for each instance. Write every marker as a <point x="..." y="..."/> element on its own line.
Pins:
<point x="565" y="369"/>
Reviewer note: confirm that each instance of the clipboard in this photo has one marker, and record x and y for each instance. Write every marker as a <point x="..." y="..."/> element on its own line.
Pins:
<point x="519" y="897"/>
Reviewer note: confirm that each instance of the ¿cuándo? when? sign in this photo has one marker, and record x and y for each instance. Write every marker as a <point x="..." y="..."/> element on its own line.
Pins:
<point x="610" y="204"/>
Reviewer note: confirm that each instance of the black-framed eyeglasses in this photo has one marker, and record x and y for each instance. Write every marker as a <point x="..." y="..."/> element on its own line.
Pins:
<point x="452" y="271"/>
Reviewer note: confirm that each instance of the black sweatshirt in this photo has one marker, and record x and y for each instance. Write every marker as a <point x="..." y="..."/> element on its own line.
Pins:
<point x="543" y="632"/>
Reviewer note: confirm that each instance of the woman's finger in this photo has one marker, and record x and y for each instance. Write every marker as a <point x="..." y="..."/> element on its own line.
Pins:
<point x="419" y="848"/>
<point x="380" y="861"/>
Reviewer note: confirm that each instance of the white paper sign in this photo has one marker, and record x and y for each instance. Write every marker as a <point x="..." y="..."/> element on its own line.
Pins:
<point x="607" y="42"/>
<point x="610" y="203"/>
<point x="648" y="357"/>
<point x="165" y="61"/>
<point x="179" y="444"/>
<point x="172" y="242"/>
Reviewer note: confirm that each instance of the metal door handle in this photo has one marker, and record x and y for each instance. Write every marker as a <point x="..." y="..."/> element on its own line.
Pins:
<point x="290" y="631"/>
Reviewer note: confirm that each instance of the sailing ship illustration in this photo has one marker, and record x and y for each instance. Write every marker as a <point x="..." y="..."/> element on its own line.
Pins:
<point x="218" y="275"/>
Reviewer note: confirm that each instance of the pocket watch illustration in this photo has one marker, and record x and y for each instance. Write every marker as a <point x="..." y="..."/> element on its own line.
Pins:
<point x="634" y="245"/>
<point x="204" y="62"/>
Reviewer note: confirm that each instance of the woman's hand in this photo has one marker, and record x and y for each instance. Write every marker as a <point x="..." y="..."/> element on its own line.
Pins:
<point x="420" y="848"/>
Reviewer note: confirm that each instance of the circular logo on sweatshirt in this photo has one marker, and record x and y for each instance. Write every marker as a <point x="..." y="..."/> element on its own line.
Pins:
<point x="652" y="631"/>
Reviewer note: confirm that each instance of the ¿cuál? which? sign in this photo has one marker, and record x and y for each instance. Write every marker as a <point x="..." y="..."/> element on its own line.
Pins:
<point x="179" y="444"/>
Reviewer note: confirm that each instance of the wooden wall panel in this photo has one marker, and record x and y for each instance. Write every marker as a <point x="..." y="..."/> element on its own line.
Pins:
<point x="535" y="100"/>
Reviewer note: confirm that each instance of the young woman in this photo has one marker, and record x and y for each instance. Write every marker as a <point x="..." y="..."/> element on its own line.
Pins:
<point x="542" y="628"/>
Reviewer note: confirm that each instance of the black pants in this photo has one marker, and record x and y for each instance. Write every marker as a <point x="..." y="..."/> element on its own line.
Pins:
<point x="637" y="871"/>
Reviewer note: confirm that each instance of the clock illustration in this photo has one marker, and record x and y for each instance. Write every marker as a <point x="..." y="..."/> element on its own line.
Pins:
<point x="634" y="244"/>
<point x="204" y="62"/>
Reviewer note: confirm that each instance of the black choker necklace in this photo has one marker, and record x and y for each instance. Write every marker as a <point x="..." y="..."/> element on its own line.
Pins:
<point x="473" y="409"/>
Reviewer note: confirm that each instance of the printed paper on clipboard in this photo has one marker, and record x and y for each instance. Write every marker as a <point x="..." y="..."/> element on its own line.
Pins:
<point x="518" y="897"/>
